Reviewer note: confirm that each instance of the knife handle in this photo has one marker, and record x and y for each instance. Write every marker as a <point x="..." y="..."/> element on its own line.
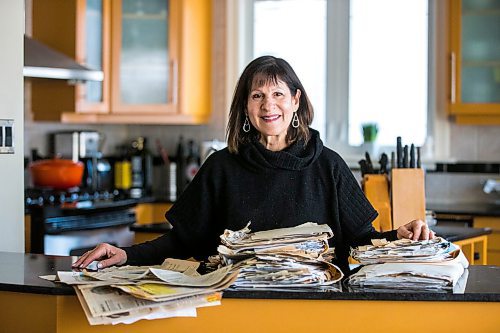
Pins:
<point x="419" y="165"/>
<point x="399" y="153"/>
<point x="405" y="156"/>
<point x="369" y="164"/>
<point x="383" y="163"/>
<point x="363" y="167"/>
<point x="412" y="156"/>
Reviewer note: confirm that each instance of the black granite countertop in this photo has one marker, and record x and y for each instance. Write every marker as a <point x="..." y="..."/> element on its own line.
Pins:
<point x="472" y="209"/>
<point x="454" y="234"/>
<point x="450" y="233"/>
<point x="20" y="273"/>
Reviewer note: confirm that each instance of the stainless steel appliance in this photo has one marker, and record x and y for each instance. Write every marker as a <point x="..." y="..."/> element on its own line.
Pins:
<point x="76" y="145"/>
<point x="85" y="146"/>
<point x="70" y="223"/>
<point x="44" y="62"/>
<point x="98" y="174"/>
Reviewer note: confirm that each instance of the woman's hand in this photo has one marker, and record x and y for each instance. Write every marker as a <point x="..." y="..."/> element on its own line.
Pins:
<point x="415" y="230"/>
<point x="108" y="255"/>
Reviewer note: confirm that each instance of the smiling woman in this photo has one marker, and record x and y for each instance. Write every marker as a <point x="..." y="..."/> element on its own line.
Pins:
<point x="297" y="180"/>
<point x="270" y="96"/>
<point x="271" y="107"/>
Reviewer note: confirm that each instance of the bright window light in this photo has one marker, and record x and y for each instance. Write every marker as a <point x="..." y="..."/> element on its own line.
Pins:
<point x="387" y="63"/>
<point x="388" y="70"/>
<point x="295" y="30"/>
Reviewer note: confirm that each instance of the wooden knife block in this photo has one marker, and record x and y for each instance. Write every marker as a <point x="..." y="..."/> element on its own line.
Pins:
<point x="405" y="201"/>
<point x="408" y="196"/>
<point x="376" y="188"/>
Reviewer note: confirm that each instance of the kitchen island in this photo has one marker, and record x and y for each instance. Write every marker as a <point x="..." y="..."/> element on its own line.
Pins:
<point x="31" y="304"/>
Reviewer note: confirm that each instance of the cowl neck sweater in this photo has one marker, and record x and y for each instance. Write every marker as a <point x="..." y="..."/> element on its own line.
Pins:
<point x="297" y="156"/>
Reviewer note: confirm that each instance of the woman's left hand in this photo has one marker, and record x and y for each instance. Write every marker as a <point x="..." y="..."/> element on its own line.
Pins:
<point x="415" y="230"/>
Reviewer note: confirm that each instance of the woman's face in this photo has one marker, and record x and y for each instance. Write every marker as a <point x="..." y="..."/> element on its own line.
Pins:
<point x="270" y="110"/>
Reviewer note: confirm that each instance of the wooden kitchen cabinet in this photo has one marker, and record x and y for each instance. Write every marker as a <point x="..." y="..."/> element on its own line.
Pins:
<point x="150" y="221"/>
<point x="475" y="61"/>
<point x="146" y="213"/>
<point x="155" y="55"/>
<point x="475" y="246"/>
<point x="493" y="238"/>
<point x="27" y="233"/>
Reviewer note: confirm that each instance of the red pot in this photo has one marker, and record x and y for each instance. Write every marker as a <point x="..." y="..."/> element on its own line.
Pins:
<point x="56" y="173"/>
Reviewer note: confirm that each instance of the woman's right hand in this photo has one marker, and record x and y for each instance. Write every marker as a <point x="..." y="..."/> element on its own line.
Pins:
<point x="108" y="255"/>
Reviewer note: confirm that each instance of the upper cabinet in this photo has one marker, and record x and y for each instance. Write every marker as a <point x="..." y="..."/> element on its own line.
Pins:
<point x="475" y="61"/>
<point x="155" y="56"/>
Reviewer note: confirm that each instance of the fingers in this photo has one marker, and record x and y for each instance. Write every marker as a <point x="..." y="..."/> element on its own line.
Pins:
<point x="79" y="261"/>
<point x="420" y="230"/>
<point x="88" y="257"/>
<point x="429" y="231"/>
<point x="116" y="256"/>
<point x="425" y="232"/>
<point x="415" y="230"/>
<point x="101" y="251"/>
<point x="404" y="232"/>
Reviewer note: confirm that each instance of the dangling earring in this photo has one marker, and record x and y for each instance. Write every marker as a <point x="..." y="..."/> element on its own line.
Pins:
<point x="246" y="125"/>
<point x="295" y="120"/>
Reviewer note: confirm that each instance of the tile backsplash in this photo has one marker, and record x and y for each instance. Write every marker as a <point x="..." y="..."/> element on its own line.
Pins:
<point x="443" y="188"/>
<point x="475" y="143"/>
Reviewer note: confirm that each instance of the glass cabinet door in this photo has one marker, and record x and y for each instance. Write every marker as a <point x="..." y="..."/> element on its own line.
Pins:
<point x="94" y="27"/>
<point x="144" y="64"/>
<point x="480" y="47"/>
<point x="93" y="47"/>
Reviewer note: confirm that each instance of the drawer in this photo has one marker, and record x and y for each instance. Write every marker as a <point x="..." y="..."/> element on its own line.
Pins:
<point x="147" y="213"/>
<point x="494" y="224"/>
<point x="494" y="241"/>
<point x="487" y="222"/>
<point x="493" y="257"/>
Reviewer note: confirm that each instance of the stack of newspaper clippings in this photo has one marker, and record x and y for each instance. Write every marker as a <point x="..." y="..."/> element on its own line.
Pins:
<point x="129" y="293"/>
<point x="296" y="258"/>
<point x="428" y="265"/>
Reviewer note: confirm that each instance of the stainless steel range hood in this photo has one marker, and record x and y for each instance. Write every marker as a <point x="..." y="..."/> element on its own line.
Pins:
<point x="41" y="61"/>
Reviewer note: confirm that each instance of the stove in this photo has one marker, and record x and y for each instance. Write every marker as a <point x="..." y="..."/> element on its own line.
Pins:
<point x="72" y="196"/>
<point x="73" y="221"/>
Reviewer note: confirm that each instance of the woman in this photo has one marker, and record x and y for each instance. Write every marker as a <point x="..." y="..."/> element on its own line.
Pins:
<point x="274" y="173"/>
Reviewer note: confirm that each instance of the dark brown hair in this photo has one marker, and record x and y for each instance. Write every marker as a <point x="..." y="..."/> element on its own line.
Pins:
<point x="266" y="69"/>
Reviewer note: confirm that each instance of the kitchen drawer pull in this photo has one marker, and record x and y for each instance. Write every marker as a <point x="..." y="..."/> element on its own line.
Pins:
<point x="453" y="78"/>
<point x="174" y="68"/>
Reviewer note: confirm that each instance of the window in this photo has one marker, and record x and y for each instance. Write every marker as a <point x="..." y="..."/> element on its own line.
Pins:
<point x="359" y="60"/>
<point x="388" y="69"/>
<point x="274" y="33"/>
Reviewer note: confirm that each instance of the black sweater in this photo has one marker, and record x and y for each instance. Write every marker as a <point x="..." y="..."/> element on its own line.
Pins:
<point x="272" y="190"/>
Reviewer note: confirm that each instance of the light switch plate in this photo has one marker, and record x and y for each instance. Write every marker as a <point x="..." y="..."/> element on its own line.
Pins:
<point x="6" y="136"/>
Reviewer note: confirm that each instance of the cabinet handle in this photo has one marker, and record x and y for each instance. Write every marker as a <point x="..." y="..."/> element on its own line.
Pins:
<point x="174" y="68"/>
<point x="453" y="73"/>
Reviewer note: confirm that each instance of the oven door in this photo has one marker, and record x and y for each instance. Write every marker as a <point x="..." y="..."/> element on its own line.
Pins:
<point x="58" y="231"/>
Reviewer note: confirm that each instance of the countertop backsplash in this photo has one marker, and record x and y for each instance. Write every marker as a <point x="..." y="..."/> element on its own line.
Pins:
<point x="445" y="188"/>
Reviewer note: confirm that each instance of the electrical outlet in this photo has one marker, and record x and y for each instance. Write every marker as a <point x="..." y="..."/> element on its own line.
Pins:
<point x="6" y="136"/>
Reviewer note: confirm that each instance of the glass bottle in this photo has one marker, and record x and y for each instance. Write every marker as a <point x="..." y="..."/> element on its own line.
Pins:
<point x="192" y="161"/>
<point x="181" y="166"/>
